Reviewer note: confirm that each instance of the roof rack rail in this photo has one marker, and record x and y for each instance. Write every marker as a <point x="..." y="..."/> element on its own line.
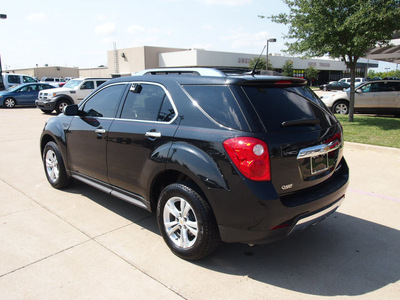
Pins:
<point x="182" y="71"/>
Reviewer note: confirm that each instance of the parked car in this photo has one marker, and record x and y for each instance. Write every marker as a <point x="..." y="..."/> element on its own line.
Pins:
<point x="348" y="80"/>
<point x="56" y="81"/>
<point x="72" y="92"/>
<point x="334" y="85"/>
<point x="11" y="79"/>
<point x="23" y="94"/>
<point x="378" y="97"/>
<point x="248" y="159"/>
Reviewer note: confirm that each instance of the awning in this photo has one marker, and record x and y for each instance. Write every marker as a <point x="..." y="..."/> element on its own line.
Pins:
<point x="388" y="53"/>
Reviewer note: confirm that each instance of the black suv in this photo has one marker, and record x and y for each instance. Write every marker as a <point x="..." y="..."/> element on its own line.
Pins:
<point x="243" y="158"/>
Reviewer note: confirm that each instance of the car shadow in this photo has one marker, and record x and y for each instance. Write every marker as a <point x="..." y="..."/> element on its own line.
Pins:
<point x="344" y="255"/>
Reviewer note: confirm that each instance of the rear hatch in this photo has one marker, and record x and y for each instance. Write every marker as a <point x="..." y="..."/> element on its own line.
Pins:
<point x="303" y="137"/>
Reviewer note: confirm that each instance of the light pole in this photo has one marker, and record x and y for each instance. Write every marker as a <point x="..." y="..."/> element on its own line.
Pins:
<point x="2" y="16"/>
<point x="269" y="41"/>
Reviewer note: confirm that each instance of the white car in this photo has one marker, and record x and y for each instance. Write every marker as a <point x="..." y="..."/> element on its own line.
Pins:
<point x="377" y="97"/>
<point x="72" y="92"/>
<point x="348" y="80"/>
<point x="11" y="79"/>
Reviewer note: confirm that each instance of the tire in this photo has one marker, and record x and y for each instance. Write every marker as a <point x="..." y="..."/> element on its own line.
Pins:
<point x="61" y="104"/>
<point x="325" y="88"/>
<point x="47" y="112"/>
<point x="54" y="167"/>
<point x="187" y="222"/>
<point x="341" y="107"/>
<point x="9" y="103"/>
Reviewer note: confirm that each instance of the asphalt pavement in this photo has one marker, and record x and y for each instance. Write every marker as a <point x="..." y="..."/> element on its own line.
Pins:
<point x="80" y="243"/>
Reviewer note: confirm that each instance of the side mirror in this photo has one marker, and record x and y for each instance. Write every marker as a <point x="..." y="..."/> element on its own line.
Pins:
<point x="358" y="91"/>
<point x="71" y="110"/>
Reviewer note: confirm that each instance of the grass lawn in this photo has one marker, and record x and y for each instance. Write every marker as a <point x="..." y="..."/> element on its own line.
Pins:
<point x="373" y="130"/>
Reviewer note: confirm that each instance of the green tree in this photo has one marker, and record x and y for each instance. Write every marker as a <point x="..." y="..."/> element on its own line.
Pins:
<point x="260" y="64"/>
<point x="287" y="68"/>
<point x="311" y="73"/>
<point x="340" y="28"/>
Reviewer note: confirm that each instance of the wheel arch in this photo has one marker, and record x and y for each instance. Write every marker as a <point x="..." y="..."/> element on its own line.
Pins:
<point x="340" y="100"/>
<point x="166" y="178"/>
<point x="63" y="97"/>
<point x="44" y="140"/>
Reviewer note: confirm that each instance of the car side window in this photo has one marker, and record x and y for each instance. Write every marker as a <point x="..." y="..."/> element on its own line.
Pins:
<point x="369" y="88"/>
<point x="395" y="86"/>
<point x="104" y="104"/>
<point x="29" y="88"/>
<point x="144" y="103"/>
<point x="88" y="85"/>
<point x="391" y="86"/>
<point x="100" y="82"/>
<point x="14" y="79"/>
<point x="167" y="112"/>
<point x="27" y="79"/>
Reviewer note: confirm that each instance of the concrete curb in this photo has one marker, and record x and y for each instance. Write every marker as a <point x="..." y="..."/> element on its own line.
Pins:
<point x="394" y="151"/>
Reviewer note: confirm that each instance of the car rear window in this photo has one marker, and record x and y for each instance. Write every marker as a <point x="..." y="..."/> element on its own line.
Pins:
<point x="276" y="105"/>
<point x="218" y="102"/>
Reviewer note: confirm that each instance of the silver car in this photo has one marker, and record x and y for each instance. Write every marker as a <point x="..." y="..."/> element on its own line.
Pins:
<point x="376" y="97"/>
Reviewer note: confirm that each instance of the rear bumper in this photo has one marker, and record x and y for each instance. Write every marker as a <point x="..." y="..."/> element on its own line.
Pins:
<point x="271" y="220"/>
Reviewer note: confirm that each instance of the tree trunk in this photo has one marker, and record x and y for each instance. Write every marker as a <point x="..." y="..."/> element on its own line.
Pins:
<point x="352" y="64"/>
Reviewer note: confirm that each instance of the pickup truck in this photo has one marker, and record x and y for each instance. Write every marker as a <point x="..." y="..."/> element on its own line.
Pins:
<point x="71" y="93"/>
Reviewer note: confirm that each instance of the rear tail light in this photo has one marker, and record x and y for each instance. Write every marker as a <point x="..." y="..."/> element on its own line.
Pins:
<point x="250" y="156"/>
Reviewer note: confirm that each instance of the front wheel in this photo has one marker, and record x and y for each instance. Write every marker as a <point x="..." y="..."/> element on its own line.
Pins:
<point x="186" y="222"/>
<point x="61" y="105"/>
<point x="341" y="107"/>
<point x="54" y="166"/>
<point x="9" y="103"/>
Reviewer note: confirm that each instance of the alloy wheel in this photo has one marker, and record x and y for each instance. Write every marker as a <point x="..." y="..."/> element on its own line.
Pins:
<point x="342" y="109"/>
<point x="9" y="103"/>
<point x="180" y="222"/>
<point x="52" y="167"/>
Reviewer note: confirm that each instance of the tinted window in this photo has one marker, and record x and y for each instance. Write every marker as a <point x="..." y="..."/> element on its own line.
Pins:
<point x="88" y="85"/>
<point x="167" y="112"/>
<point x="373" y="87"/>
<point x="100" y="82"/>
<point x="218" y="102"/>
<point x="29" y="88"/>
<point x="145" y="103"/>
<point x="28" y="79"/>
<point x="105" y="102"/>
<point x="14" y="79"/>
<point x="394" y="86"/>
<point x="275" y="106"/>
<point x="45" y="86"/>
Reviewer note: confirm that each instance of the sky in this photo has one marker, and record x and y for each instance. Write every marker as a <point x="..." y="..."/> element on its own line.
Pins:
<point x="79" y="33"/>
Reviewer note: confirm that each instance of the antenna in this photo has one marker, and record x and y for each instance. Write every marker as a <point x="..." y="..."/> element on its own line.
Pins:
<point x="255" y="65"/>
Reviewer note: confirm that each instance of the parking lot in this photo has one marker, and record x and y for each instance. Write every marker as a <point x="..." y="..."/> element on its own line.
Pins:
<point x="81" y="243"/>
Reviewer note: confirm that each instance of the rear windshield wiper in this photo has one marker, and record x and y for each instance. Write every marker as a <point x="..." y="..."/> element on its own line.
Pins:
<point x="300" y="122"/>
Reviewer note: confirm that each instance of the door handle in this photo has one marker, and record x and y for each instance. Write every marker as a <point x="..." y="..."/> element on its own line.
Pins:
<point x="100" y="130"/>
<point x="153" y="134"/>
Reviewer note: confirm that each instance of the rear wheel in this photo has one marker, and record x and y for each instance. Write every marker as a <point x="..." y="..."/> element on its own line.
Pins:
<point x="186" y="222"/>
<point x="61" y="104"/>
<point x="9" y="103"/>
<point x="341" y="107"/>
<point x="54" y="166"/>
